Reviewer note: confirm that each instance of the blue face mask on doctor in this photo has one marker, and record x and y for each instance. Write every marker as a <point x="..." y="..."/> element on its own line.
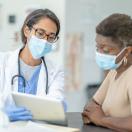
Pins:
<point x="39" y="47"/>
<point x="107" y="62"/>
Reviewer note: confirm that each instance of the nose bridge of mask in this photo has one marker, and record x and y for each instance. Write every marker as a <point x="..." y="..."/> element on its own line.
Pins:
<point x="39" y="47"/>
<point x="105" y="57"/>
<point x="40" y="43"/>
<point x="44" y="46"/>
<point x="106" y="61"/>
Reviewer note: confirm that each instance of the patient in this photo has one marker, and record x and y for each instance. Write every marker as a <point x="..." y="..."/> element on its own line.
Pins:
<point x="111" y="105"/>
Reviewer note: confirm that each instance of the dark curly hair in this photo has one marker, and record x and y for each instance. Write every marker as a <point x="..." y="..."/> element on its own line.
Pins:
<point x="118" y="27"/>
<point x="37" y="15"/>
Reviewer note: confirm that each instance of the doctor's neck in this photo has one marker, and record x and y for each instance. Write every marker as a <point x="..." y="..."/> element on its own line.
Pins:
<point x="26" y="56"/>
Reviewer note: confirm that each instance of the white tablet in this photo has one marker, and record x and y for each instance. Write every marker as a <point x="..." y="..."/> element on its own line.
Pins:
<point x="42" y="108"/>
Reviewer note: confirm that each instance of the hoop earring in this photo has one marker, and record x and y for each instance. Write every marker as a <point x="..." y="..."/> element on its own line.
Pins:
<point x="125" y="61"/>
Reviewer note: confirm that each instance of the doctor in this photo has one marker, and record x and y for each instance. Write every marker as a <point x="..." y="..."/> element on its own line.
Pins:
<point x="26" y="70"/>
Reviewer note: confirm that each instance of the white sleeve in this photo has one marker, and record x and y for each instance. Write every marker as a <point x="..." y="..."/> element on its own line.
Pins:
<point x="2" y="71"/>
<point x="3" y="63"/>
<point x="4" y="91"/>
<point x="1" y="79"/>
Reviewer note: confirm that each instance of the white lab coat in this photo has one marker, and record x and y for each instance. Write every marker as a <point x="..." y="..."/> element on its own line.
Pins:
<point x="9" y="68"/>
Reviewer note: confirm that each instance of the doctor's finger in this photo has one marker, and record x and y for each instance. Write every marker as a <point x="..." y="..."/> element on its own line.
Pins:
<point x="17" y="109"/>
<point x="23" y="113"/>
<point x="24" y="118"/>
<point x="20" y="109"/>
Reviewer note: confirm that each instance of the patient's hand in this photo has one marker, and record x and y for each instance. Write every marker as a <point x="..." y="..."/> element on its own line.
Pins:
<point x="85" y="118"/>
<point x="88" y="107"/>
<point x="96" y="115"/>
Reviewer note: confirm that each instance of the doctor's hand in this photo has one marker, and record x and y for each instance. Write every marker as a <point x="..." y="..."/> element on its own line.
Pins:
<point x="15" y="113"/>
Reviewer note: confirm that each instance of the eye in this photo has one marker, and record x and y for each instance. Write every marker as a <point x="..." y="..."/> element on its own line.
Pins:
<point x="40" y="34"/>
<point x="52" y="36"/>
<point x="106" y="52"/>
<point x="51" y="39"/>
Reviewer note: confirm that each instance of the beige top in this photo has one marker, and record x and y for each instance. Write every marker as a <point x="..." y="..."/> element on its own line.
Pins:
<point x="115" y="95"/>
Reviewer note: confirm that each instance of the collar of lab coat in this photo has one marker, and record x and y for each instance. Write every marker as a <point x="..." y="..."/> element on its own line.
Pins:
<point x="12" y="69"/>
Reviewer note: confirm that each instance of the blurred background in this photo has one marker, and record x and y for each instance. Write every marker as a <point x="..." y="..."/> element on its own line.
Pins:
<point x="76" y="46"/>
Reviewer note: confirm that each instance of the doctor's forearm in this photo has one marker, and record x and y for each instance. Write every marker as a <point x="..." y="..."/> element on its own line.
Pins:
<point x="118" y="124"/>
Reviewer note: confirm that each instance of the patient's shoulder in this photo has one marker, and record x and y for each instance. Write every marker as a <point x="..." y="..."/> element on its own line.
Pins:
<point x="129" y="71"/>
<point x="111" y="73"/>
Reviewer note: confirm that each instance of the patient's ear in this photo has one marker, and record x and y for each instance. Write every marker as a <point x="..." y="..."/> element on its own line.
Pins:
<point x="123" y="53"/>
<point x="129" y="50"/>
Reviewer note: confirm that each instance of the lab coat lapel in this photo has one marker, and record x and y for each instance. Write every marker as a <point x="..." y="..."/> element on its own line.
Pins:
<point x="41" y="81"/>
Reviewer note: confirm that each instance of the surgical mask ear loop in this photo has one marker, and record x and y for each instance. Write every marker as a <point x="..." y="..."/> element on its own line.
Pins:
<point x="124" y="58"/>
<point x="125" y="61"/>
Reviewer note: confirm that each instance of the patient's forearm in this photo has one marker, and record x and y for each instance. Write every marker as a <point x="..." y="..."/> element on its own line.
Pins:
<point x="118" y="124"/>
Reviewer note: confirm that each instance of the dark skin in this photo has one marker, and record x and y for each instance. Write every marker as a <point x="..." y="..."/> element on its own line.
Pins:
<point x="93" y="111"/>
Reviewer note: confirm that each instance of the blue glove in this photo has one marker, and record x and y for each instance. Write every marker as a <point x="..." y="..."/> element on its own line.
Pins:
<point x="18" y="113"/>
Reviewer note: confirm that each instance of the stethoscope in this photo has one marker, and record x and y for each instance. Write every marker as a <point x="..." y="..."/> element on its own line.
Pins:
<point x="24" y="80"/>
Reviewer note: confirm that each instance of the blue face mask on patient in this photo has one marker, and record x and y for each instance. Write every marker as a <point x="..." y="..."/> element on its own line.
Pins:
<point x="107" y="62"/>
<point x="39" y="47"/>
